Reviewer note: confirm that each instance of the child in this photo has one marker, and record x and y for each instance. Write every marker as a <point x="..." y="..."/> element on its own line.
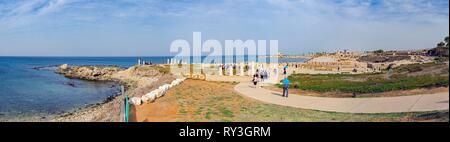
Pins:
<point x="255" y="79"/>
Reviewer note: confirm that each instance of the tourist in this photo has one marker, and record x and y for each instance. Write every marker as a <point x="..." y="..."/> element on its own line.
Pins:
<point x="257" y="73"/>
<point x="266" y="74"/>
<point x="285" y="87"/>
<point x="262" y="75"/>
<point x="389" y="72"/>
<point x="285" y="70"/>
<point x="255" y="79"/>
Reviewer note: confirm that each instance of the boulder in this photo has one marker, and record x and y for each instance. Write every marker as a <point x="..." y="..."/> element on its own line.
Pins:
<point x="156" y="91"/>
<point x="145" y="98"/>
<point x="152" y="96"/>
<point x="64" y="67"/>
<point x="160" y="94"/>
<point x="162" y="88"/>
<point x="166" y="86"/>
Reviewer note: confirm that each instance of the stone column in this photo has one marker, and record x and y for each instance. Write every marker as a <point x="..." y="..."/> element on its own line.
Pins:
<point x="249" y="72"/>
<point x="168" y="61"/>
<point x="230" y="70"/>
<point x="139" y="62"/>
<point x="253" y="68"/>
<point x="220" y="70"/>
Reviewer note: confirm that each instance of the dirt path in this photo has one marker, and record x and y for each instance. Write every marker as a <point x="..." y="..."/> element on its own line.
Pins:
<point x="337" y="94"/>
<point x="416" y="103"/>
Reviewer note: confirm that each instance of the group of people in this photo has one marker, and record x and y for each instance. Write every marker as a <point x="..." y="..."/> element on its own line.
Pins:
<point x="264" y="74"/>
<point x="142" y="62"/>
<point x="261" y="75"/>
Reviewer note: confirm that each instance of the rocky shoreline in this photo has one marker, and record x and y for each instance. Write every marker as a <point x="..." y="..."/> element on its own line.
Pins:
<point x="137" y="80"/>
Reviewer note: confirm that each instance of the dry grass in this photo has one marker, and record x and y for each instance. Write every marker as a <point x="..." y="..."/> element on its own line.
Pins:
<point x="203" y="101"/>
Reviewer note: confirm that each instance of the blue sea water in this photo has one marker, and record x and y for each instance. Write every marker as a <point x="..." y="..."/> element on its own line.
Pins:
<point x="26" y="91"/>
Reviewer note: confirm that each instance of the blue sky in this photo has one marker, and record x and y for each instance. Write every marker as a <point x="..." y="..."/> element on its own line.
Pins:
<point x="147" y="27"/>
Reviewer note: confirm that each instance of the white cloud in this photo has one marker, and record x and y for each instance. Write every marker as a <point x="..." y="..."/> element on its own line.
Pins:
<point x="26" y="12"/>
<point x="53" y="6"/>
<point x="300" y="25"/>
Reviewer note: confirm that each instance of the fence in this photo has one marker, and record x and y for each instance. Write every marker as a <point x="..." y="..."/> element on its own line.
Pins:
<point x="124" y="107"/>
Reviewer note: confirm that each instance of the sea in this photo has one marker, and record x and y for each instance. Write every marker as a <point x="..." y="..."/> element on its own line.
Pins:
<point x="30" y="88"/>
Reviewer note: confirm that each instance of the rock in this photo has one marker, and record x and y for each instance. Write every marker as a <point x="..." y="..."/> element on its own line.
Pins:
<point x="175" y="82"/>
<point x="159" y="92"/>
<point x="166" y="87"/>
<point x="89" y="72"/>
<point x="150" y="97"/>
<point x="72" y="84"/>
<point x="153" y="96"/>
<point x="145" y="98"/>
<point x="162" y="88"/>
<point x="64" y="67"/>
<point x="136" y="101"/>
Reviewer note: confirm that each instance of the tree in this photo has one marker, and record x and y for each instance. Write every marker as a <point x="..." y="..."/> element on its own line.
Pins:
<point x="441" y="50"/>
<point x="378" y="51"/>
<point x="441" y="44"/>
<point x="446" y="40"/>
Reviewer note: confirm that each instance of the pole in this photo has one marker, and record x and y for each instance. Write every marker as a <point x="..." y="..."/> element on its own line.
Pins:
<point x="125" y="103"/>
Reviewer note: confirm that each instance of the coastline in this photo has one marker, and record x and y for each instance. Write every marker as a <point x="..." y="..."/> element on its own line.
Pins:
<point x="109" y="109"/>
<point x="78" y="114"/>
<point x="99" y="112"/>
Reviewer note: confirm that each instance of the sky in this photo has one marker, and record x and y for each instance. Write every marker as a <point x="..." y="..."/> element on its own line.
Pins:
<point x="148" y="27"/>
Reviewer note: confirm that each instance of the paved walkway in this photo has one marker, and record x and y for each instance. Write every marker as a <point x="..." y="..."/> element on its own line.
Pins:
<point x="416" y="103"/>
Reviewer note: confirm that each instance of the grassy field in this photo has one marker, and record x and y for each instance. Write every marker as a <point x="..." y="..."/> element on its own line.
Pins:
<point x="405" y="77"/>
<point x="202" y="101"/>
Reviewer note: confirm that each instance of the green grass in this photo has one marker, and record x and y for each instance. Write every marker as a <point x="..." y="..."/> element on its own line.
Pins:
<point x="226" y="113"/>
<point x="410" y="68"/>
<point x="269" y="112"/>
<point x="324" y="83"/>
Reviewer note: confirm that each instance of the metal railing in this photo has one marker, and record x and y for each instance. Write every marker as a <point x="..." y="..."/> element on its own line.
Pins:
<point x="124" y="107"/>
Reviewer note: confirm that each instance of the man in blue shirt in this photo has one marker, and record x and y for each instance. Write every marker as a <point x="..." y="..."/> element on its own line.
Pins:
<point x="285" y="87"/>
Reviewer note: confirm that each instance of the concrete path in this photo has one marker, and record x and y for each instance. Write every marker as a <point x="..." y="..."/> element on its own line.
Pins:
<point x="416" y="103"/>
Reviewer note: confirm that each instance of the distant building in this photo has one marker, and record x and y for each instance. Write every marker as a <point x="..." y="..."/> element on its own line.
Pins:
<point x="281" y="54"/>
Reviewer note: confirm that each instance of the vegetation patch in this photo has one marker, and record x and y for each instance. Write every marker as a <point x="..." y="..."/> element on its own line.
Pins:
<point x="405" y="77"/>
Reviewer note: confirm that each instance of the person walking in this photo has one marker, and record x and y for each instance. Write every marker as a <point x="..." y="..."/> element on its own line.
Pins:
<point x="285" y="69"/>
<point x="261" y="75"/>
<point x="286" y="87"/>
<point x="255" y="80"/>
